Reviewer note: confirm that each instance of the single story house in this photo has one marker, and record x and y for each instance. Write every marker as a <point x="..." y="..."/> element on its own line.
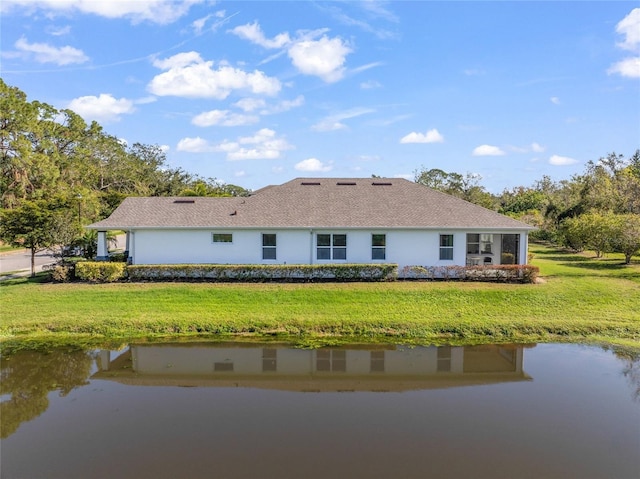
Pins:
<point x="316" y="221"/>
<point x="376" y="368"/>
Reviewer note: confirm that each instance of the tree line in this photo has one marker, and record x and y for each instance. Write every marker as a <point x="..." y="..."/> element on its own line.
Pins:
<point x="58" y="173"/>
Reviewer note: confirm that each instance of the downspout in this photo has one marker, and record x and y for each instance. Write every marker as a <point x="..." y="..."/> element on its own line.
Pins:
<point x="310" y="246"/>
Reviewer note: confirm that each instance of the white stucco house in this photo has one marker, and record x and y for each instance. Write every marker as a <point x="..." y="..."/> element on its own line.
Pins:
<point x="316" y="221"/>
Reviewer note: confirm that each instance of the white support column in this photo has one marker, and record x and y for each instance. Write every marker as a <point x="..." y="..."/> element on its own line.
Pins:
<point x="127" y="248"/>
<point x="103" y="253"/>
<point x="524" y="248"/>
<point x="105" y="359"/>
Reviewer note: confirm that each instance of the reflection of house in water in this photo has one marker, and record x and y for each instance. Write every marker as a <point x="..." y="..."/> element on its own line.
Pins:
<point x="361" y="368"/>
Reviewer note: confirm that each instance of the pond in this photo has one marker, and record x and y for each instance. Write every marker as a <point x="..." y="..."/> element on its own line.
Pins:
<point x="234" y="410"/>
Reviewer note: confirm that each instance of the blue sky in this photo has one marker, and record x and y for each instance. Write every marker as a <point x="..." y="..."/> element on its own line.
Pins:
<point x="257" y="93"/>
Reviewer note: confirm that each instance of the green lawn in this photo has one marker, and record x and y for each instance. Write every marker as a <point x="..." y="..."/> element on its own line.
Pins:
<point x="579" y="299"/>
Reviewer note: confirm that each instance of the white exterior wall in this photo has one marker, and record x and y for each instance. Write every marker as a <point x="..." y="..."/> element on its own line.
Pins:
<point x="195" y="360"/>
<point x="197" y="246"/>
<point x="403" y="247"/>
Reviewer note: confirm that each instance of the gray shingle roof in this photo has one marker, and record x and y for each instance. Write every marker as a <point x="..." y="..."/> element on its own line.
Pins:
<point x="313" y="203"/>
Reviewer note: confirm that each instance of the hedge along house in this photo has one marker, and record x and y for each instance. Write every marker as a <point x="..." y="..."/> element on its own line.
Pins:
<point x="316" y="221"/>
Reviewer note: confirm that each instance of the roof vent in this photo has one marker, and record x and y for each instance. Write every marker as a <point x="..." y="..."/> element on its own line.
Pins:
<point x="310" y="183"/>
<point x="380" y="183"/>
<point x="184" y="201"/>
<point x="346" y="183"/>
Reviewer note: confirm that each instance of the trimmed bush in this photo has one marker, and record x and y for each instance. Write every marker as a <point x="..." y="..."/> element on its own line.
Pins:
<point x="263" y="273"/>
<point x="100" y="271"/>
<point x="512" y="273"/>
<point x="62" y="273"/>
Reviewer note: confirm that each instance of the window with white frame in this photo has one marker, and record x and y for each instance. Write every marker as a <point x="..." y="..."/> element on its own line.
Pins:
<point x="446" y="247"/>
<point x="479" y="243"/>
<point x="269" y="246"/>
<point x="378" y="246"/>
<point x="331" y="246"/>
<point x="222" y="238"/>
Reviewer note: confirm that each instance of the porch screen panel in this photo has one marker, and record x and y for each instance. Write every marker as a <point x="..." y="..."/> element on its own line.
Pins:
<point x="510" y="249"/>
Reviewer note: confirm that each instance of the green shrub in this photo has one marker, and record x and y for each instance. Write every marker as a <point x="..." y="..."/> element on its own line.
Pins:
<point x="263" y="273"/>
<point x="62" y="273"/>
<point x="100" y="271"/>
<point x="513" y="273"/>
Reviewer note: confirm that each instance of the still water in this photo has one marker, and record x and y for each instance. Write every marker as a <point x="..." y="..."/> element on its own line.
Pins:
<point x="236" y="410"/>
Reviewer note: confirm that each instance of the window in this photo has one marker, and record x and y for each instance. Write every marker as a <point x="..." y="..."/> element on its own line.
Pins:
<point x="222" y="238"/>
<point x="331" y="360"/>
<point x="444" y="359"/>
<point x="378" y="246"/>
<point x="446" y="247"/>
<point x="479" y="244"/>
<point x="377" y="362"/>
<point x="223" y="367"/>
<point x="269" y="360"/>
<point x="330" y="246"/>
<point x="268" y="246"/>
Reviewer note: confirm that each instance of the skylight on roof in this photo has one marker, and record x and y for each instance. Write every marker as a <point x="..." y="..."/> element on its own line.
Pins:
<point x="310" y="183"/>
<point x="346" y="183"/>
<point x="184" y="201"/>
<point x="382" y="183"/>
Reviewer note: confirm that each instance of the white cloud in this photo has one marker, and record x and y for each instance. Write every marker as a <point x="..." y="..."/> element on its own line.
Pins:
<point x="312" y="165"/>
<point x="164" y="148"/>
<point x="195" y="145"/>
<point x="265" y="144"/>
<point x="536" y="148"/>
<point x="155" y="11"/>
<point x="103" y="108"/>
<point x="629" y="27"/>
<point x="556" y="160"/>
<point x="533" y="147"/>
<point x="260" y="106"/>
<point x="44" y="53"/>
<point x="188" y="75"/>
<point x="223" y="118"/>
<point x="629" y="67"/>
<point x="199" y="24"/>
<point x="253" y="33"/>
<point x="555" y="100"/>
<point x="487" y="150"/>
<point x="334" y="122"/>
<point x="145" y="100"/>
<point x="370" y="85"/>
<point x="284" y="105"/>
<point x="323" y="58"/>
<point x="472" y="72"/>
<point x="240" y="173"/>
<point x="58" y="31"/>
<point x="250" y="104"/>
<point x="431" y="136"/>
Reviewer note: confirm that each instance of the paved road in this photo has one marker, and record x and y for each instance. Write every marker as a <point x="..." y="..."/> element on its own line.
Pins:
<point x="21" y="261"/>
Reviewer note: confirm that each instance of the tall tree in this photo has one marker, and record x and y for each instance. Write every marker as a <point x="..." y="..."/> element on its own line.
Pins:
<point x="37" y="225"/>
<point x="466" y="187"/>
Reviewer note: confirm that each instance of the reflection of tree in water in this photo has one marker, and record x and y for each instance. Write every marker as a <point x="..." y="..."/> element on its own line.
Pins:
<point x="631" y="371"/>
<point x="29" y="377"/>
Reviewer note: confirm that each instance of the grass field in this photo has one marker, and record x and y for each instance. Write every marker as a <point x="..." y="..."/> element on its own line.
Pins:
<point x="579" y="299"/>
